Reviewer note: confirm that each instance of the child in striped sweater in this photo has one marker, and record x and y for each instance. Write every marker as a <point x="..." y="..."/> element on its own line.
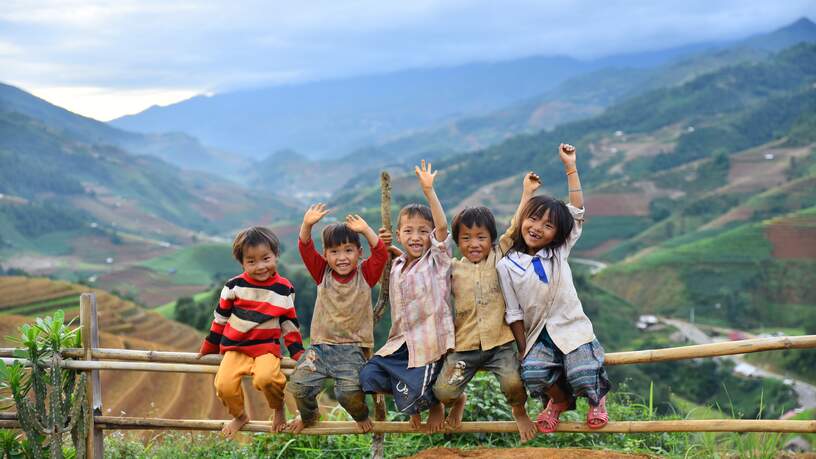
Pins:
<point x="256" y="309"/>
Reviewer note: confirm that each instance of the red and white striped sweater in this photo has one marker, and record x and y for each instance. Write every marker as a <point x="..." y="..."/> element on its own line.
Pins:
<point x="252" y="316"/>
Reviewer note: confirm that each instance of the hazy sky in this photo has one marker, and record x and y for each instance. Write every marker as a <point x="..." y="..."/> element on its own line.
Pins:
<point x="107" y="59"/>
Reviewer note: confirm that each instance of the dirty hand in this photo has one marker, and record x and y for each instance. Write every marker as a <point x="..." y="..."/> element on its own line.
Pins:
<point x="532" y="182"/>
<point x="386" y="236"/>
<point x="567" y="153"/>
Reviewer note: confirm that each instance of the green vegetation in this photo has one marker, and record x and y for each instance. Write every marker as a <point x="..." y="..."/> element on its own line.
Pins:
<point x="203" y="264"/>
<point x="603" y="228"/>
<point x="730" y="276"/>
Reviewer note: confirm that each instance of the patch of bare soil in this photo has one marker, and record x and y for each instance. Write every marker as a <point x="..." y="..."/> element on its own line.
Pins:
<point x="599" y="250"/>
<point x="522" y="453"/>
<point x="761" y="168"/>
<point x="793" y="240"/>
<point x="636" y="204"/>
<point x="150" y="288"/>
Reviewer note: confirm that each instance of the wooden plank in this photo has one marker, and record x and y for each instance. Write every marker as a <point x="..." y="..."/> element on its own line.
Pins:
<point x="94" y="441"/>
<point x="347" y="427"/>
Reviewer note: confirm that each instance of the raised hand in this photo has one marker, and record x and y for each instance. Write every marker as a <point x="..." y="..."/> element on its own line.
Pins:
<point x="426" y="177"/>
<point x="532" y="182"/>
<point x="314" y="214"/>
<point x="385" y="236"/>
<point x="356" y="223"/>
<point x="567" y="153"/>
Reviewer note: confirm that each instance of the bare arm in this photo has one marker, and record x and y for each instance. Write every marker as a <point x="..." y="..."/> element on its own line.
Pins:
<point x="531" y="183"/>
<point x="576" y="195"/>
<point x="517" y="328"/>
<point x="426" y="179"/>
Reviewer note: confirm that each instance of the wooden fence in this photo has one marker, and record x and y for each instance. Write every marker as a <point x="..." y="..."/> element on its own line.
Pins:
<point x="91" y="358"/>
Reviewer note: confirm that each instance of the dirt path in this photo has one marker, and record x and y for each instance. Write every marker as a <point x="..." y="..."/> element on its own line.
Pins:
<point x="522" y="453"/>
<point x="805" y="392"/>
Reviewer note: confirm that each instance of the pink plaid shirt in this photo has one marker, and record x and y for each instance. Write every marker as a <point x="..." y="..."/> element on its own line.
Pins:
<point x="421" y="315"/>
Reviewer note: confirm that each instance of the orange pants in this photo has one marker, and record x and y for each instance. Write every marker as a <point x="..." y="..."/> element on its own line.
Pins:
<point x="266" y="374"/>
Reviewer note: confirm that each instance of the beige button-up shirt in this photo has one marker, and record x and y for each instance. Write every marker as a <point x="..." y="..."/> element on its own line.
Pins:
<point x="554" y="304"/>
<point x="421" y="315"/>
<point x="478" y="300"/>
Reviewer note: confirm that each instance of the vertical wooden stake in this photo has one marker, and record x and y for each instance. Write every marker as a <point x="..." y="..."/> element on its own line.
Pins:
<point x="378" y="442"/>
<point x="94" y="442"/>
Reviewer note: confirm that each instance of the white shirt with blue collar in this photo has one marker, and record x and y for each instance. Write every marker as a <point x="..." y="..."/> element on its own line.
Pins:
<point x="539" y="290"/>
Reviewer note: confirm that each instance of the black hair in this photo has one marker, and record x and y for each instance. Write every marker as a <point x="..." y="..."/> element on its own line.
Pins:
<point x="337" y="234"/>
<point x="412" y="210"/>
<point x="559" y="216"/>
<point x="474" y="216"/>
<point x="254" y="236"/>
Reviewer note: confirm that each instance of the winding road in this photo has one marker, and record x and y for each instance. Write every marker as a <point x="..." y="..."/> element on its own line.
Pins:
<point x="805" y="392"/>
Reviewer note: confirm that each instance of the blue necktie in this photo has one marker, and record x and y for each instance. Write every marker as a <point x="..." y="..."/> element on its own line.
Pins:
<point x="539" y="269"/>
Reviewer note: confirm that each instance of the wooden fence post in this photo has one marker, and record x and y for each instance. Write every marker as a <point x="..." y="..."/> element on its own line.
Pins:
<point x="94" y="442"/>
<point x="378" y="442"/>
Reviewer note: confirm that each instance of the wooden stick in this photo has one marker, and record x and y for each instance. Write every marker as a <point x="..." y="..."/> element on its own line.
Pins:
<point x="385" y="215"/>
<point x="348" y="427"/>
<point x="160" y="358"/>
<point x="154" y="356"/>
<point x="94" y="440"/>
<point x="378" y="442"/>
<point x="133" y="366"/>
<point x="711" y="350"/>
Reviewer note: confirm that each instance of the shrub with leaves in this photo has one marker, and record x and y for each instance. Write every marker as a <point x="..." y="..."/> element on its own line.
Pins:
<point x="50" y="400"/>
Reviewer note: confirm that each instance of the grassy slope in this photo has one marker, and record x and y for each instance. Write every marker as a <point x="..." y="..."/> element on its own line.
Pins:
<point x="731" y="276"/>
<point x="200" y="264"/>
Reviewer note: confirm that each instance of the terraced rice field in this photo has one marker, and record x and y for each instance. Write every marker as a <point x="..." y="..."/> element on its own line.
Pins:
<point x="125" y="325"/>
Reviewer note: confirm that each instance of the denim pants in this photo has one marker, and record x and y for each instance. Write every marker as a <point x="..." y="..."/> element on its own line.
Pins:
<point x="340" y="362"/>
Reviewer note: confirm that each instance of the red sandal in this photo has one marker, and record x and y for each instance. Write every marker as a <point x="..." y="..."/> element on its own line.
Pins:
<point x="597" y="416"/>
<point x="547" y="420"/>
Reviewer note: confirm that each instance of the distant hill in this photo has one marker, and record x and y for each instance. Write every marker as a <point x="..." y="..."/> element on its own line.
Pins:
<point x="65" y="190"/>
<point x="178" y="149"/>
<point x="578" y="97"/>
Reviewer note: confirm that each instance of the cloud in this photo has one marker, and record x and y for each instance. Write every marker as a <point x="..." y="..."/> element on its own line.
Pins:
<point x="158" y="45"/>
<point x="108" y="103"/>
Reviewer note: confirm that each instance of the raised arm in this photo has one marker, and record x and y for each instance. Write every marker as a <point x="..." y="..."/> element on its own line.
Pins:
<point x="426" y="178"/>
<point x="530" y="185"/>
<point x="313" y="215"/>
<point x="357" y="224"/>
<point x="576" y="196"/>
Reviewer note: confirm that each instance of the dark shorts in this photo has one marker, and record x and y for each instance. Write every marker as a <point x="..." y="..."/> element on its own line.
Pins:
<point x="411" y="387"/>
<point x="460" y="367"/>
<point x="340" y="362"/>
<point x="579" y="373"/>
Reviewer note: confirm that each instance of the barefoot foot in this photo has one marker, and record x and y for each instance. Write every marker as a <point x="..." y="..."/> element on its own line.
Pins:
<point x="454" y="419"/>
<point x="365" y="425"/>
<point x="436" y="418"/>
<point x="278" y="419"/>
<point x="231" y="428"/>
<point x="526" y="427"/>
<point x="415" y="421"/>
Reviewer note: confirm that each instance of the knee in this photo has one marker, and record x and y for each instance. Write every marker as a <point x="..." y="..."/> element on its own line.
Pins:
<point x="299" y="391"/>
<point x="513" y="389"/>
<point x="446" y="393"/>
<point x="354" y="402"/>
<point x="227" y="387"/>
<point x="271" y="380"/>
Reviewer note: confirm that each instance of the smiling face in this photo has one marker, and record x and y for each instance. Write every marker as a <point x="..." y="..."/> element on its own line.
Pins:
<point x="414" y="233"/>
<point x="343" y="258"/>
<point x="260" y="262"/>
<point x="474" y="242"/>
<point x="538" y="232"/>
